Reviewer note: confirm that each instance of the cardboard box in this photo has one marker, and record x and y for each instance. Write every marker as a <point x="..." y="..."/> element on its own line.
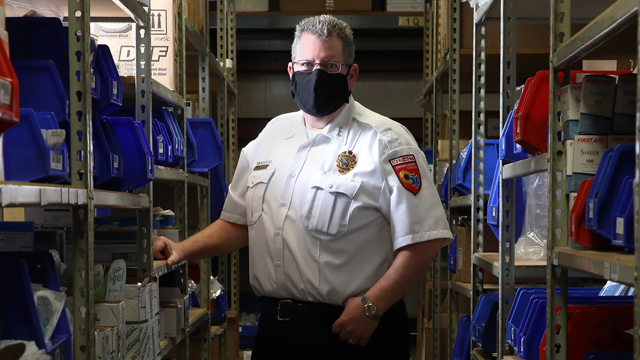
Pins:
<point x="311" y="6"/>
<point x="142" y="320"/>
<point x="196" y="14"/>
<point x="104" y="343"/>
<point x="444" y="339"/>
<point x="172" y="314"/>
<point x="173" y="294"/>
<point x="164" y="56"/>
<point x="463" y="252"/>
<point x="172" y="234"/>
<point x="598" y="95"/>
<point x="570" y="98"/>
<point x="411" y="7"/>
<point x="615" y="140"/>
<point x="443" y="148"/>
<point x="107" y="252"/>
<point x="110" y="313"/>
<point x="252" y="5"/>
<point x="586" y="155"/>
<point x="16" y="236"/>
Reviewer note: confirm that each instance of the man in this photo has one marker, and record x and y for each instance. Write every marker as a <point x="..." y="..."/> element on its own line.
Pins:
<point x="338" y="210"/>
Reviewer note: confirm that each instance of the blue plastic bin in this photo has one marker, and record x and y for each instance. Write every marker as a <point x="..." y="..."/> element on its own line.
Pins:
<point x="493" y="205"/>
<point x="209" y="145"/>
<point x="483" y="322"/>
<point x="490" y="164"/>
<point x="428" y="153"/>
<point x="462" y="346"/>
<point x="457" y="176"/>
<point x="41" y="88"/>
<point x="591" y="220"/>
<point x="159" y="144"/>
<point x="507" y="149"/>
<point x="107" y="156"/>
<point x="26" y="154"/>
<point x="622" y="216"/>
<point x="218" y="191"/>
<point x="40" y="38"/>
<point x="192" y="146"/>
<point x="516" y="315"/>
<point x="444" y="187"/>
<point x="608" y="184"/>
<point x="137" y="162"/>
<point x="453" y="257"/>
<point x="108" y="82"/>
<point x="18" y="315"/>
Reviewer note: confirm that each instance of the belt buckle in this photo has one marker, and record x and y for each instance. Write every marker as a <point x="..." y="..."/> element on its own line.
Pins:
<point x="279" y="308"/>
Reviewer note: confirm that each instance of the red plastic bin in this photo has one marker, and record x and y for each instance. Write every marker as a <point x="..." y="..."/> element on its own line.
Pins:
<point x="532" y="115"/>
<point x="578" y="232"/>
<point x="595" y="328"/>
<point x="9" y="93"/>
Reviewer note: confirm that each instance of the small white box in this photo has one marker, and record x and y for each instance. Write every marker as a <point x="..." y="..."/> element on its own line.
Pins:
<point x="16" y="236"/>
<point x="570" y="97"/>
<point x="110" y="313"/>
<point x="598" y="95"/>
<point x="626" y="94"/>
<point x="140" y="318"/>
<point x="615" y="140"/>
<point x="572" y="199"/>
<point x="587" y="153"/>
<point x="104" y="343"/>
<point x="405" y="7"/>
<point x="173" y="294"/>
<point x="172" y="314"/>
<point x="172" y="234"/>
<point x="53" y="216"/>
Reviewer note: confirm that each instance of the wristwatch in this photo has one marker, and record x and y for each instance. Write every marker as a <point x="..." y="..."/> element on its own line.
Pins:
<point x="369" y="309"/>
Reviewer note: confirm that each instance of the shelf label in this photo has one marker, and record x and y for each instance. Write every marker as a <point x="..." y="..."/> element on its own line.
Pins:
<point x="410" y="21"/>
<point x="614" y="272"/>
<point x="607" y="270"/>
<point x="555" y="258"/>
<point x="620" y="225"/>
<point x="5" y="92"/>
<point x="459" y="260"/>
<point x="56" y="160"/>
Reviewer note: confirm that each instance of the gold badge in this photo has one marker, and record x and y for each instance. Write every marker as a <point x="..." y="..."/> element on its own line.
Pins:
<point x="346" y="161"/>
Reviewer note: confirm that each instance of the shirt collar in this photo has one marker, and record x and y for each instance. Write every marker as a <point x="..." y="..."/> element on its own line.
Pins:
<point x="337" y="129"/>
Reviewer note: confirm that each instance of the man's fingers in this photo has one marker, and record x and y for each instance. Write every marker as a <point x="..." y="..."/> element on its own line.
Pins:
<point x="336" y="328"/>
<point x="159" y="248"/>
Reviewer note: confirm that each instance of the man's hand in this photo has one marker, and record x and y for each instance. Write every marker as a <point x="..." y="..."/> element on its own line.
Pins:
<point x="164" y="248"/>
<point x="353" y="325"/>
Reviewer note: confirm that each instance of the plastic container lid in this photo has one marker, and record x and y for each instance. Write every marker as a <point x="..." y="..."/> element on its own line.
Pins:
<point x="209" y="145"/>
<point x="27" y="157"/>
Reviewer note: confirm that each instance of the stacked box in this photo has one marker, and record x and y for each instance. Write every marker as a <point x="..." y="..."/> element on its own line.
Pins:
<point x="405" y="5"/>
<point x="142" y="315"/>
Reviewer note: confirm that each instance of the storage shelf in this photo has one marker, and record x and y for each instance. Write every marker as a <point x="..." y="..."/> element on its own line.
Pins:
<point x="479" y="354"/>
<point x="194" y="39"/>
<point x="216" y="331"/>
<point x="160" y="267"/>
<point x="214" y="65"/>
<point x="134" y="9"/>
<point x="533" y="165"/>
<point x="610" y="22"/>
<point x="197" y="317"/>
<point x="524" y="268"/>
<point x="166" y="95"/>
<point x="111" y="11"/>
<point x="465" y="201"/>
<point x="608" y="265"/>
<point x="437" y="74"/>
<point x="461" y="288"/>
<point x="231" y="86"/>
<point x="165" y="174"/>
<point x="288" y="21"/>
<point x="34" y="194"/>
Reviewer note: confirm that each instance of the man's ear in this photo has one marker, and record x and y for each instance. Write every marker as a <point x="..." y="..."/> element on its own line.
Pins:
<point x="290" y="70"/>
<point x="353" y="75"/>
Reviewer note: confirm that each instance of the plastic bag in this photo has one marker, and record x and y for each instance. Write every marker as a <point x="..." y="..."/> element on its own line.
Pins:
<point x="532" y="244"/>
<point x="49" y="305"/>
<point x="31" y="352"/>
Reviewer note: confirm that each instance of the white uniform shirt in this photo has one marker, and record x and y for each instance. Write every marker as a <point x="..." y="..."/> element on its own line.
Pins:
<point x="321" y="236"/>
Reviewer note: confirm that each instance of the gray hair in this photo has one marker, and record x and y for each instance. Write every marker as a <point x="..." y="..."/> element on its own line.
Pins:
<point x="325" y="27"/>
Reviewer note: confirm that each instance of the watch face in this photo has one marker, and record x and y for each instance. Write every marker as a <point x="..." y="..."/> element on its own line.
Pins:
<point x="370" y="310"/>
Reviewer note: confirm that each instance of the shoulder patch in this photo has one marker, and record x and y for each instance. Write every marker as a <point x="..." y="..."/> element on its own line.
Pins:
<point x="406" y="168"/>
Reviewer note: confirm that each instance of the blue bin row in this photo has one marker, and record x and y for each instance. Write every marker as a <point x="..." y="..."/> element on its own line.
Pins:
<point x="18" y="315"/>
<point x="609" y="206"/>
<point x="526" y="322"/>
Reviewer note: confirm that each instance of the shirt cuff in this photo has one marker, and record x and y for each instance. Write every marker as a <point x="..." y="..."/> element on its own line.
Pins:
<point x="232" y="218"/>
<point x="421" y="237"/>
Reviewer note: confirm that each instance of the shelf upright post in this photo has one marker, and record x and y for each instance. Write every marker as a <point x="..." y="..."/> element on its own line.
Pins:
<point x="454" y="135"/>
<point x="558" y="198"/>
<point x="636" y="217"/>
<point x="508" y="239"/>
<point x="477" y="157"/>
<point x="437" y="262"/>
<point x="143" y="115"/>
<point x="81" y="175"/>
<point x="428" y="142"/>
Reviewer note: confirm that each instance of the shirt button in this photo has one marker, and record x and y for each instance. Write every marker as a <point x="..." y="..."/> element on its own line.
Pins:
<point x="283" y="203"/>
<point x="277" y="264"/>
<point x="277" y="233"/>
<point x="330" y="186"/>
<point x="293" y="174"/>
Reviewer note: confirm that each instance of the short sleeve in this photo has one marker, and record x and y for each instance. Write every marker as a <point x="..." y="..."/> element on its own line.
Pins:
<point x="234" y="209"/>
<point x="409" y="198"/>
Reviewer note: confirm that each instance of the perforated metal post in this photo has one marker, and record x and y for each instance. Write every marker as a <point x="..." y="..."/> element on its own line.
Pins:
<point x="143" y="115"/>
<point x="477" y="158"/>
<point x="558" y="198"/>
<point x="81" y="175"/>
<point x="636" y="217"/>
<point x="507" y="187"/>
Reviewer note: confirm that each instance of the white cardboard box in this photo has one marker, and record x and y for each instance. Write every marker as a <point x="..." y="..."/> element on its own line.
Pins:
<point x="104" y="343"/>
<point x="16" y="236"/>
<point x="570" y="97"/>
<point x="172" y="234"/>
<point x="121" y="40"/>
<point x="587" y="153"/>
<point x="140" y="317"/>
<point x="173" y="294"/>
<point x="252" y="5"/>
<point x="615" y="140"/>
<point x="626" y="94"/>
<point x="172" y="314"/>
<point x="598" y="95"/>
<point x="110" y="313"/>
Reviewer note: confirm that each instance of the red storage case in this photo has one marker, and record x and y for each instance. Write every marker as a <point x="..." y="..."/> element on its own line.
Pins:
<point x="532" y="115"/>
<point x="578" y="232"/>
<point x="595" y="328"/>
<point x="9" y="93"/>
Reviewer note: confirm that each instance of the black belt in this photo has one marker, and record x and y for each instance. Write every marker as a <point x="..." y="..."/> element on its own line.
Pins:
<point x="294" y="310"/>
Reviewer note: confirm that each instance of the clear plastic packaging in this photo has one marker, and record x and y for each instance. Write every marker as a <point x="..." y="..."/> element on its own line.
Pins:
<point x="532" y="245"/>
<point x="49" y="305"/>
<point x="31" y="352"/>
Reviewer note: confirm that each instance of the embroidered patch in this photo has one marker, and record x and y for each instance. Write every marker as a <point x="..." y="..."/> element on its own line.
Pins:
<point x="262" y="165"/>
<point x="408" y="173"/>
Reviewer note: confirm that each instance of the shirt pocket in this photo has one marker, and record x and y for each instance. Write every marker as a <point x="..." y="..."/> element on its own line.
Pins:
<point x="257" y="183"/>
<point x="329" y="204"/>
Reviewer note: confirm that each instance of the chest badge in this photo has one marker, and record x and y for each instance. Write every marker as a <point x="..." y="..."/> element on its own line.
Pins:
<point x="346" y="161"/>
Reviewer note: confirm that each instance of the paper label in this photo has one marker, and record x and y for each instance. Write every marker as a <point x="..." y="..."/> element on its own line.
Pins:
<point x="161" y="148"/>
<point x="591" y="209"/>
<point x="116" y="280"/>
<point x="587" y="153"/>
<point x="93" y="81"/>
<point x="626" y="94"/>
<point x="620" y="225"/>
<point x="572" y="199"/>
<point x="56" y="160"/>
<point x="607" y="270"/>
<point x="5" y="92"/>
<point x="568" y="147"/>
<point x="555" y="258"/>
<point x="459" y="260"/>
<point x="598" y="95"/>
<point x="115" y="88"/>
<point x="116" y="161"/>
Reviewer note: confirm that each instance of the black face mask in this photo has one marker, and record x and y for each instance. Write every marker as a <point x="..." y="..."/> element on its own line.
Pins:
<point x="319" y="93"/>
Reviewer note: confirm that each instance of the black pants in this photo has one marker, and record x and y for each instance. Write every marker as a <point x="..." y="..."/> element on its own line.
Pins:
<point x="307" y="335"/>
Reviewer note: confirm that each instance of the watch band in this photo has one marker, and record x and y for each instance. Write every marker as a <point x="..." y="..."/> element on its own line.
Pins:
<point x="370" y="310"/>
